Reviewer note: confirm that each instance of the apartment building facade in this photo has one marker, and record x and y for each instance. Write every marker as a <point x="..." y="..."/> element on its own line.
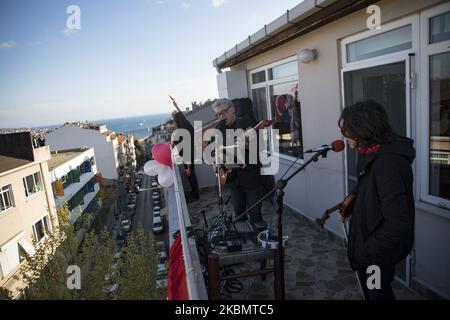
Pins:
<point x="105" y="144"/>
<point x="74" y="179"/>
<point x="27" y="206"/>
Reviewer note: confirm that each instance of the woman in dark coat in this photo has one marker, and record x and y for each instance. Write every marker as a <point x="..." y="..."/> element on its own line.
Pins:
<point x="382" y="225"/>
<point x="181" y="122"/>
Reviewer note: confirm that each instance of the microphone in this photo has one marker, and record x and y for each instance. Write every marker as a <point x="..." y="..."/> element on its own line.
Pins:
<point x="336" y="146"/>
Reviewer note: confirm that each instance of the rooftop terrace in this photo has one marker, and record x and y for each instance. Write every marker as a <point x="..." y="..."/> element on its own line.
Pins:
<point x="316" y="265"/>
<point x="62" y="156"/>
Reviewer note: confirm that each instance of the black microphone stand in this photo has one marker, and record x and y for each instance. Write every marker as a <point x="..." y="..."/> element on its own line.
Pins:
<point x="279" y="189"/>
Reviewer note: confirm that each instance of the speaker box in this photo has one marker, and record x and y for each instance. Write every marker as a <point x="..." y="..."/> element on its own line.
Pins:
<point x="243" y="108"/>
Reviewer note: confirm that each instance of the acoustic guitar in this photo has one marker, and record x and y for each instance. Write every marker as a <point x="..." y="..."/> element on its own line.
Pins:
<point x="226" y="169"/>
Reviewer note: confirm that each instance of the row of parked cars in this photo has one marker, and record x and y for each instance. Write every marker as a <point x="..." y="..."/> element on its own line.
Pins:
<point x="158" y="224"/>
<point x="161" y="275"/>
<point x="128" y="214"/>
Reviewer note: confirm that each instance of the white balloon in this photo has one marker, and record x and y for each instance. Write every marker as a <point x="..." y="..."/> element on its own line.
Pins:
<point x="165" y="177"/>
<point x="152" y="167"/>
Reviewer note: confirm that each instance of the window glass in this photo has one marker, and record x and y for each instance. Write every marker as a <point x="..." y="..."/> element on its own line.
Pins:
<point x="285" y="110"/>
<point x="440" y="28"/>
<point x="6" y="198"/>
<point x="439" y="153"/>
<point x="283" y="70"/>
<point x="391" y="41"/>
<point x="39" y="230"/>
<point x="258" y="77"/>
<point x="29" y="184"/>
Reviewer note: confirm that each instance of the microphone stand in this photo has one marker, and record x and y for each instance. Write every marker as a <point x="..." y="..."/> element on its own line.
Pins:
<point x="279" y="190"/>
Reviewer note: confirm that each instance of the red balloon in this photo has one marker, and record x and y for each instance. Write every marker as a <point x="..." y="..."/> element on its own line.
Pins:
<point x="161" y="153"/>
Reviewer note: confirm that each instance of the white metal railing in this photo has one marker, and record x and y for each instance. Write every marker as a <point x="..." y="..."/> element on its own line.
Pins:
<point x="194" y="277"/>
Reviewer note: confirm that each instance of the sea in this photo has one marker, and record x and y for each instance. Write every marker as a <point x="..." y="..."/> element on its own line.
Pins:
<point x="138" y="126"/>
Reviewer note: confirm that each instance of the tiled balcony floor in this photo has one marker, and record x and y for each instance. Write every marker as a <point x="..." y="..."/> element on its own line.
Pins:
<point x="316" y="266"/>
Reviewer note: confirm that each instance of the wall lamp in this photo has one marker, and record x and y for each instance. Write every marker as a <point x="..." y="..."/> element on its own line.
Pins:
<point x="307" y="55"/>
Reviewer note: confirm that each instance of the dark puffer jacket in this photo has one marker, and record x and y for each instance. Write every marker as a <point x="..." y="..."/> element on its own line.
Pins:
<point x="382" y="225"/>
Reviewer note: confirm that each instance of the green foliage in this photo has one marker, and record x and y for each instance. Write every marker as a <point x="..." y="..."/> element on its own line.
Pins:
<point x="5" y="294"/>
<point x="138" y="281"/>
<point x="107" y="272"/>
<point x="140" y="153"/>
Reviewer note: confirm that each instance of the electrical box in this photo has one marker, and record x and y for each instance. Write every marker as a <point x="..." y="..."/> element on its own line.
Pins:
<point x="232" y="84"/>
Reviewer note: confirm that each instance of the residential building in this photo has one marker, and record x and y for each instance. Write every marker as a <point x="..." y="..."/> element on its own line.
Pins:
<point x="327" y="54"/>
<point x="74" y="179"/>
<point x="77" y="135"/>
<point x="27" y="206"/>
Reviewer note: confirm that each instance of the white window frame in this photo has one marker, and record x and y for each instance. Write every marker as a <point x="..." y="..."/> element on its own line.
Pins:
<point x="27" y="194"/>
<point x="11" y="197"/>
<point x="46" y="234"/>
<point x="385" y="27"/>
<point x="423" y="144"/>
<point x="266" y="84"/>
<point x="399" y="56"/>
<point x="6" y="266"/>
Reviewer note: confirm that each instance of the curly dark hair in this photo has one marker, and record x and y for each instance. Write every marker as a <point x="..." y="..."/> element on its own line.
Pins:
<point x="367" y="123"/>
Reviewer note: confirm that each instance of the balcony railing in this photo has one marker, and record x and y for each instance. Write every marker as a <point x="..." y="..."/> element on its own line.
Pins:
<point x="178" y="217"/>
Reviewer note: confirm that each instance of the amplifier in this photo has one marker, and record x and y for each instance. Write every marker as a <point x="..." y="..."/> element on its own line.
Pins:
<point x="234" y="245"/>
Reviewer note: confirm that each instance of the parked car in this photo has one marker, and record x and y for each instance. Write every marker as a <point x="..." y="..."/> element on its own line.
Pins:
<point x="156" y="214"/>
<point x="129" y="213"/>
<point x="156" y="208"/>
<point x="160" y="246"/>
<point x="155" y="196"/>
<point x="131" y="206"/>
<point x="126" y="225"/>
<point x="162" y="257"/>
<point x="156" y="202"/>
<point x="162" y="283"/>
<point x="120" y="239"/>
<point x="158" y="226"/>
<point x="161" y="269"/>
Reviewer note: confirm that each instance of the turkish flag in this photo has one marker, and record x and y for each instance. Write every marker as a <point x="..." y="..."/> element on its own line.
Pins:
<point x="177" y="286"/>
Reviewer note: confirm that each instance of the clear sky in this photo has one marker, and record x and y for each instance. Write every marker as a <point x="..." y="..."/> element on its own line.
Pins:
<point x="125" y="59"/>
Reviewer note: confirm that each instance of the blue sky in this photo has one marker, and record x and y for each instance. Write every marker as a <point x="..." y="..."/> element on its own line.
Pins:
<point x="124" y="61"/>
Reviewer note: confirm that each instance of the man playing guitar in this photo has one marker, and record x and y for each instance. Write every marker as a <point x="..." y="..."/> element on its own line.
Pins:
<point x="245" y="182"/>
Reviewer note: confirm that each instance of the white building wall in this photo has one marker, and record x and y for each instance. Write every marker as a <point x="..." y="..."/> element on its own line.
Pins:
<point x="71" y="190"/>
<point x="16" y="223"/>
<point x="69" y="137"/>
<point x="321" y="185"/>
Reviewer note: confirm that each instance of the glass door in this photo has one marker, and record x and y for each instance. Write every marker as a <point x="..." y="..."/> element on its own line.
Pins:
<point x="387" y="84"/>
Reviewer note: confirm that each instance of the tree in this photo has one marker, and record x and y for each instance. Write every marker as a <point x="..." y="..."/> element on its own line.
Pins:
<point x="107" y="272"/>
<point x="140" y="154"/>
<point x="5" y="294"/>
<point x="138" y="281"/>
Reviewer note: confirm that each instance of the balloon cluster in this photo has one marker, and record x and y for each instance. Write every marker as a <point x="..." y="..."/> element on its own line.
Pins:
<point x="161" y="165"/>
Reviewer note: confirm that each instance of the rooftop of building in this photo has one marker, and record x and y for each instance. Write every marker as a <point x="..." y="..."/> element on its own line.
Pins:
<point x="305" y="17"/>
<point x="121" y="138"/>
<point x="60" y="157"/>
<point x="10" y="163"/>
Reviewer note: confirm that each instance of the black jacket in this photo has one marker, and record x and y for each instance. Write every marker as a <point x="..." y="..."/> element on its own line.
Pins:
<point x="188" y="126"/>
<point x="382" y="225"/>
<point x="249" y="177"/>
